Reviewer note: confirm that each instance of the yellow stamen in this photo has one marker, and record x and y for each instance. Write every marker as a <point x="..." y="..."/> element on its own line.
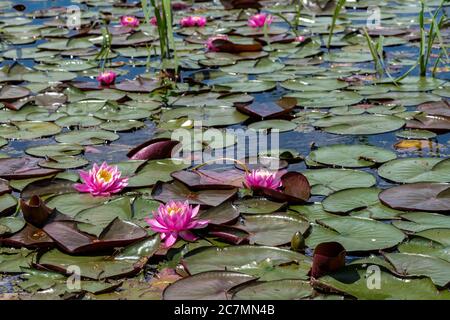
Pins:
<point x="104" y="175"/>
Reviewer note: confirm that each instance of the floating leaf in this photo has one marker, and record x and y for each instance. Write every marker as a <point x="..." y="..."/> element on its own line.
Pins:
<point x="275" y="290"/>
<point x="355" y="234"/>
<point x="416" y="170"/>
<point x="212" y="285"/>
<point x="351" y="156"/>
<point x="326" y="181"/>
<point x="433" y="197"/>
<point x="176" y="191"/>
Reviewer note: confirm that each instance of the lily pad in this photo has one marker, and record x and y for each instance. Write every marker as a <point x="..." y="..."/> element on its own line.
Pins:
<point x="353" y="281"/>
<point x="326" y="181"/>
<point x="237" y="257"/>
<point x="430" y="197"/>
<point x="412" y="170"/>
<point x="273" y="229"/>
<point x="360" y="124"/>
<point x="351" y="156"/>
<point x="355" y="234"/>
<point x="275" y="290"/>
<point x="407" y="264"/>
<point x="129" y="262"/>
<point x="212" y="285"/>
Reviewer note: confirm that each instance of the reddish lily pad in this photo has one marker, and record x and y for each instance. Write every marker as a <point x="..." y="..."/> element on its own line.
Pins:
<point x="431" y="123"/>
<point x="129" y="262"/>
<point x="177" y="191"/>
<point x="429" y="197"/>
<point x="229" y="234"/>
<point x="23" y="168"/>
<point x="118" y="234"/>
<point x="13" y="92"/>
<point x="29" y="237"/>
<point x="224" y="213"/>
<point x="159" y="148"/>
<point x="296" y="189"/>
<point x="273" y="229"/>
<point x="210" y="179"/>
<point x="35" y="211"/>
<point x="240" y="4"/>
<point x="328" y="257"/>
<point x="228" y="46"/>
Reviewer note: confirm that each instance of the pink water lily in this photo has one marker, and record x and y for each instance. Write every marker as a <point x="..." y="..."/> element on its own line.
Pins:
<point x="129" y="21"/>
<point x="261" y="178"/>
<point x="210" y="42"/>
<point x="193" y="21"/>
<point x="153" y="21"/>
<point x="259" y="20"/>
<point x="101" y="181"/>
<point x="106" y="78"/>
<point x="299" y="39"/>
<point x="174" y="219"/>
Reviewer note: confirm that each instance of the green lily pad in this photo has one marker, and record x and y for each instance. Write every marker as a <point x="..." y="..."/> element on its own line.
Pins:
<point x="87" y="137"/>
<point x="63" y="162"/>
<point x="314" y="99"/>
<point x="7" y="204"/>
<point x="350" y="199"/>
<point x="355" y="234"/>
<point x="360" y="124"/>
<point x="130" y="261"/>
<point x="247" y="86"/>
<point x="353" y="281"/>
<point x="351" y="156"/>
<point x="280" y="125"/>
<point x="13" y="260"/>
<point x="73" y="203"/>
<point x="412" y="170"/>
<point x="212" y="285"/>
<point x="408" y="264"/>
<point x="264" y="65"/>
<point x="234" y="258"/>
<point x="416" y="134"/>
<point x="55" y="150"/>
<point x="11" y="225"/>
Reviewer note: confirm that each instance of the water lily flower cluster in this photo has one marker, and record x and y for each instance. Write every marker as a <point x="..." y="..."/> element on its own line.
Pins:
<point x="129" y="21"/>
<point x="103" y="180"/>
<point x="259" y="20"/>
<point x="106" y="78"/>
<point x="175" y="219"/>
<point x="210" y="42"/>
<point x="193" y="21"/>
<point x="262" y="178"/>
